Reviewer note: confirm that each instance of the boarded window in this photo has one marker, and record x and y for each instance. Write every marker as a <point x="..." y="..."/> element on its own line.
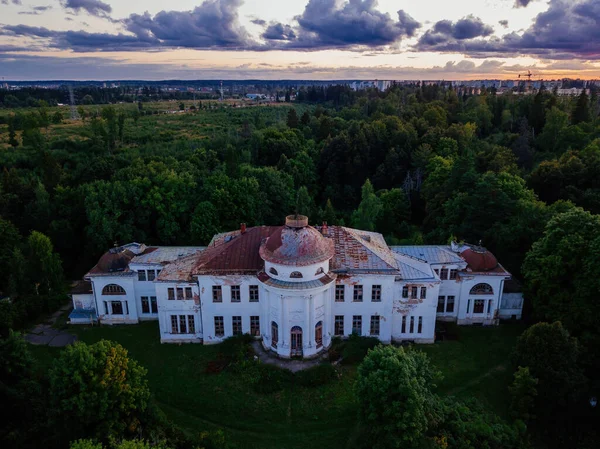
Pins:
<point x="319" y="334"/>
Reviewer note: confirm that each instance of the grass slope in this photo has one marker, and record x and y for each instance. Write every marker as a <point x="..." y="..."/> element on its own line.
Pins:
<point x="298" y="417"/>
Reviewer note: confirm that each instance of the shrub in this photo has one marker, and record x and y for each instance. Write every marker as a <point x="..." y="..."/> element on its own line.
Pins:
<point x="356" y="347"/>
<point x="271" y="379"/>
<point x="316" y="376"/>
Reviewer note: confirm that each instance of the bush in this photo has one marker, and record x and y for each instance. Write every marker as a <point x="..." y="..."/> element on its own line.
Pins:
<point x="356" y="347"/>
<point x="447" y="330"/>
<point x="271" y="379"/>
<point x="233" y="351"/>
<point x="316" y="376"/>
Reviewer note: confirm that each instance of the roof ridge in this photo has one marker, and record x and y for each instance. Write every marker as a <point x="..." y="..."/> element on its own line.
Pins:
<point x="367" y="247"/>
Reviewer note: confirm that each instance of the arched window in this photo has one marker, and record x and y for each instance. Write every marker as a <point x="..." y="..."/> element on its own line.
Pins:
<point x="273" y="271"/>
<point x="113" y="289"/>
<point x="319" y="271"/>
<point x="482" y="289"/>
<point x="296" y="275"/>
<point x="274" y="334"/>
<point x="319" y="334"/>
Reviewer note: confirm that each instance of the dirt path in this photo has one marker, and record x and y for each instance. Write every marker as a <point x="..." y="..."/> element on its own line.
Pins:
<point x="45" y="334"/>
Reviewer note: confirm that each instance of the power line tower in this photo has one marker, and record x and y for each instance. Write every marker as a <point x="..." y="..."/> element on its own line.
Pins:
<point x="74" y="113"/>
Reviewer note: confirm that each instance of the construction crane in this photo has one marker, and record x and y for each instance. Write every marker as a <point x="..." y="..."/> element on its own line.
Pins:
<point x="527" y="75"/>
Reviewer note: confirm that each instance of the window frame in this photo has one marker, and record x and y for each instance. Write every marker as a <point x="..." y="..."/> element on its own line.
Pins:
<point x="442" y="302"/>
<point x="253" y="293"/>
<point x="113" y="290"/>
<point x="151" y="275"/>
<point x="319" y="334"/>
<point x="171" y="294"/>
<point x="414" y="292"/>
<point x="274" y="334"/>
<point x="423" y="293"/>
<point x="357" y="295"/>
<point x="217" y="293"/>
<point x="444" y="274"/>
<point x="450" y="303"/>
<point x="420" y="325"/>
<point x="375" y="325"/>
<point x="236" y="293"/>
<point x="405" y="291"/>
<point x="145" y="300"/>
<point x="191" y="321"/>
<point x="479" y="304"/>
<point x="191" y="293"/>
<point x="180" y="296"/>
<point x="376" y="293"/>
<point x="340" y="293"/>
<point x="119" y="304"/>
<point x="338" y="325"/>
<point x="412" y="325"/>
<point x="255" y="325"/>
<point x="141" y="274"/>
<point x="174" y="324"/>
<point x="357" y="319"/>
<point x="219" y="325"/>
<point x="236" y="325"/>
<point x="403" y="330"/>
<point x="453" y="274"/>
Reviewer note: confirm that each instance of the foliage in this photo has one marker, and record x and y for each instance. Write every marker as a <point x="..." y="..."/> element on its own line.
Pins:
<point x="316" y="376"/>
<point x="393" y="389"/>
<point x="97" y="390"/>
<point x="523" y="392"/>
<point x="368" y="210"/>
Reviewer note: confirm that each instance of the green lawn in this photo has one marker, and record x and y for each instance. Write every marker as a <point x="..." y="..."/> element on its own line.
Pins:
<point x="298" y="417"/>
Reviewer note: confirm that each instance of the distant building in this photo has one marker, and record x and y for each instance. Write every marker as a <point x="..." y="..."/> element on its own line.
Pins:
<point x="295" y="287"/>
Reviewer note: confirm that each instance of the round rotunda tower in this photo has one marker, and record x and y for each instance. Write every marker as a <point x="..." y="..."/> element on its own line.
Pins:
<point x="298" y="289"/>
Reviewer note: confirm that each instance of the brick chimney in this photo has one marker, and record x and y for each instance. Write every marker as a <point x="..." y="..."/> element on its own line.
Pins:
<point x="325" y="229"/>
<point x="243" y="228"/>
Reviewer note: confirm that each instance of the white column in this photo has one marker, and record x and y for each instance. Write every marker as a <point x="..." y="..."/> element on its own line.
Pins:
<point x="327" y="301"/>
<point x="282" y="322"/>
<point x="311" y="321"/>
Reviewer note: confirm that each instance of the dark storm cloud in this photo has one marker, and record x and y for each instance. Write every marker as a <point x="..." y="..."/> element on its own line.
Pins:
<point x="93" y="7"/>
<point x="279" y="31"/>
<point x="356" y="23"/>
<point x="446" y="34"/>
<point x="521" y="3"/>
<point x="567" y="30"/>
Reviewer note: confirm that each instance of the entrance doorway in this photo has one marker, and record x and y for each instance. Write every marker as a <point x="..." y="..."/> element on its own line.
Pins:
<point x="296" y="341"/>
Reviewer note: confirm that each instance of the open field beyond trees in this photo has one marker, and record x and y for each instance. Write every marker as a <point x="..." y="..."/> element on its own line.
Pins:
<point x="474" y="365"/>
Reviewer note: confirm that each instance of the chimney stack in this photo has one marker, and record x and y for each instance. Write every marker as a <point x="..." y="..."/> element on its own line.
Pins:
<point x="325" y="229"/>
<point x="243" y="228"/>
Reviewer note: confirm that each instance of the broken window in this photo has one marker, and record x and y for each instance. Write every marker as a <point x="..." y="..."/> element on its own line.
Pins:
<point x="116" y="307"/>
<point x="444" y="274"/>
<point x="145" y="305"/>
<point x="339" y="293"/>
<point x="180" y="293"/>
<point x="319" y="334"/>
<point x="274" y="334"/>
<point x="478" y="305"/>
<point x="236" y="325"/>
<point x="255" y="326"/>
<point x="357" y="324"/>
<point x="191" y="324"/>
<point x="171" y="293"/>
<point x="141" y="275"/>
<point x="174" y="328"/>
<point x="440" y="306"/>
<point x="151" y="274"/>
<point x="450" y="304"/>
<point x="413" y="292"/>
<point x="453" y="274"/>
<point x="423" y="292"/>
<point x="188" y="293"/>
<point x="405" y="291"/>
<point x="358" y="293"/>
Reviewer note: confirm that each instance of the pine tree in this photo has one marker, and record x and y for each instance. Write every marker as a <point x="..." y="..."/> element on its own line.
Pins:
<point x="582" y="109"/>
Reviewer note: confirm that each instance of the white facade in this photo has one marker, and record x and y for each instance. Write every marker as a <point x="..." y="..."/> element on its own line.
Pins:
<point x="296" y="287"/>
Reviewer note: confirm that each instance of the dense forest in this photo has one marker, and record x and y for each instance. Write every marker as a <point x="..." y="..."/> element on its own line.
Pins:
<point x="420" y="164"/>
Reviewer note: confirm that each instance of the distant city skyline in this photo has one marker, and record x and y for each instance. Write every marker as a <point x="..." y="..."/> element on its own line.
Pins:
<point x="298" y="39"/>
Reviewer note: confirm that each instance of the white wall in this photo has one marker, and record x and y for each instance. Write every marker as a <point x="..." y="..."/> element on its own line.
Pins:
<point x="144" y="288"/>
<point x="178" y="307"/>
<point x="128" y="300"/>
<point x="449" y="287"/>
<point x="367" y="307"/>
<point x="227" y="309"/>
<point x="415" y="307"/>
<point x="465" y="313"/>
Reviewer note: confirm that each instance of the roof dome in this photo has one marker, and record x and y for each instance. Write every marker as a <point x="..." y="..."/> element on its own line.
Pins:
<point x="115" y="260"/>
<point x="296" y="244"/>
<point x="479" y="259"/>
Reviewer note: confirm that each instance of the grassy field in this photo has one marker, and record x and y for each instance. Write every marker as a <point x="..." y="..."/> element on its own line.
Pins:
<point x="299" y="417"/>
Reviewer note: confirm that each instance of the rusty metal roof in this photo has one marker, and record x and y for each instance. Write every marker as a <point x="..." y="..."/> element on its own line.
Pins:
<point x="297" y="246"/>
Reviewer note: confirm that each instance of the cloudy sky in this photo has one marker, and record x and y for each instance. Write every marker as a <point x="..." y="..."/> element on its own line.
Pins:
<point x="298" y="39"/>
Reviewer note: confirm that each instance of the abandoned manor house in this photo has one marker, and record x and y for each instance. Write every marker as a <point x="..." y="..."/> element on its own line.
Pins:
<point x="295" y="287"/>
